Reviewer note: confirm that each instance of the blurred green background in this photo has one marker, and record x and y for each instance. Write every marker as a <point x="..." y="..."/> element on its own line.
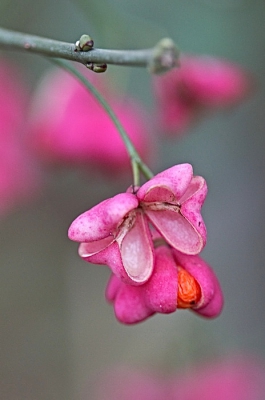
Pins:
<point x="57" y="332"/>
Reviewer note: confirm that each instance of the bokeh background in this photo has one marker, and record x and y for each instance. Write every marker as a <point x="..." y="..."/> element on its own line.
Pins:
<point x="57" y="333"/>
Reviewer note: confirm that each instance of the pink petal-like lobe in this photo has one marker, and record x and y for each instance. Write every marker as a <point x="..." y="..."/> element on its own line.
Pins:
<point x="175" y="179"/>
<point x="103" y="219"/>
<point x="176" y="230"/>
<point x="137" y="250"/>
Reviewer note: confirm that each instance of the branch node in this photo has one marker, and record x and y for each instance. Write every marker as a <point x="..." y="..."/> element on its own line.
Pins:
<point x="165" y="57"/>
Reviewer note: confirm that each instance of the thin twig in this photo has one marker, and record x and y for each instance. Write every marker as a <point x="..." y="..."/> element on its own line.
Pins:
<point x="161" y="58"/>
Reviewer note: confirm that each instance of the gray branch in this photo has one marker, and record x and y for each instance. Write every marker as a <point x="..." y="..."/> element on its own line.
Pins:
<point x="163" y="57"/>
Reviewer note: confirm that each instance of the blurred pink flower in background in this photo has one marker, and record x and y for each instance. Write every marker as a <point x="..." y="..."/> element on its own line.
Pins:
<point x="231" y="378"/>
<point x="178" y="281"/>
<point x="116" y="232"/>
<point x="234" y="378"/>
<point x="69" y="126"/>
<point x="201" y="84"/>
<point x="19" y="177"/>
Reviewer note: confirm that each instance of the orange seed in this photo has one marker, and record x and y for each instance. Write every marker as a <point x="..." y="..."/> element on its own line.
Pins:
<point x="189" y="291"/>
